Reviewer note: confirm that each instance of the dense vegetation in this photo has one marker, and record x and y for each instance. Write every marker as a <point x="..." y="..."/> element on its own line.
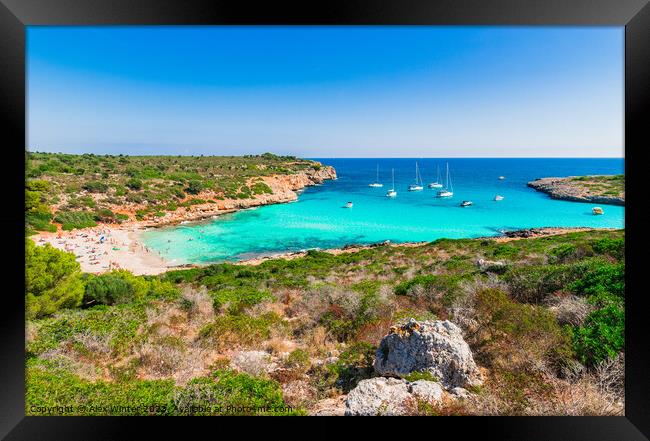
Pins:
<point x="86" y="189"/>
<point x="601" y="185"/>
<point x="544" y="316"/>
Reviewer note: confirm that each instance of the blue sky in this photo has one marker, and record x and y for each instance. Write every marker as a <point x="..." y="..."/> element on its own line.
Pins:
<point x="327" y="91"/>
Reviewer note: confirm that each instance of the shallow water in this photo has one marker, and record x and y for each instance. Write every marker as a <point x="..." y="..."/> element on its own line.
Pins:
<point x="318" y="219"/>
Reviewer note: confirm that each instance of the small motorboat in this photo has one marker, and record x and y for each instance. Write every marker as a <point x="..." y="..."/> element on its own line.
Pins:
<point x="349" y="205"/>
<point x="597" y="210"/>
<point x="498" y="197"/>
<point x="466" y="203"/>
<point x="501" y="178"/>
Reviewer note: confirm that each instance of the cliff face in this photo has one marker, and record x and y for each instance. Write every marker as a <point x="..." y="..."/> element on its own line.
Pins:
<point x="578" y="189"/>
<point x="284" y="190"/>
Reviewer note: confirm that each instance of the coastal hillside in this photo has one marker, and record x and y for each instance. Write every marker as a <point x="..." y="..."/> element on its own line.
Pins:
<point x="607" y="189"/>
<point x="527" y="326"/>
<point x="79" y="191"/>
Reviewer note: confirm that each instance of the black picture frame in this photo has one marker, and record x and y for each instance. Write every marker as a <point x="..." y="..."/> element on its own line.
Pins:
<point x="633" y="14"/>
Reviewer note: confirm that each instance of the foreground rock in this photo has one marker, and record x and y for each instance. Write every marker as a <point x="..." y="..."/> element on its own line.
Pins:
<point x="380" y="396"/>
<point x="391" y="396"/>
<point x="597" y="189"/>
<point x="436" y="347"/>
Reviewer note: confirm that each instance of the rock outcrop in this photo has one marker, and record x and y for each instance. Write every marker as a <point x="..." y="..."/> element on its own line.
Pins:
<point x="573" y="188"/>
<point x="436" y="347"/>
<point x="391" y="396"/>
<point x="379" y="396"/>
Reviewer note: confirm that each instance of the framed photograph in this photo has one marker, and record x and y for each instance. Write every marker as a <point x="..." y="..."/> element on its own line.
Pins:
<point x="414" y="210"/>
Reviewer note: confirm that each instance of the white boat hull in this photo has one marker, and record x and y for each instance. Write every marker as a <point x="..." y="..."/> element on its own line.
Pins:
<point x="445" y="194"/>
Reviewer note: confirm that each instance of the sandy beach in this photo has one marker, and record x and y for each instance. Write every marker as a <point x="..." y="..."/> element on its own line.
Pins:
<point x="105" y="248"/>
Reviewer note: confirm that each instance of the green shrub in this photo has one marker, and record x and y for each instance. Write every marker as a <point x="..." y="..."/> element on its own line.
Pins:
<point x="509" y="328"/>
<point x="134" y="184"/>
<point x="70" y="220"/>
<point x="601" y="336"/>
<point x="443" y="286"/>
<point x="54" y="389"/>
<point x="118" y="287"/>
<point x="233" y="394"/>
<point x="533" y="283"/>
<point x="241" y="329"/>
<point x="261" y="188"/>
<point x="600" y="278"/>
<point x="108" y="289"/>
<point x="40" y="221"/>
<point x="354" y="364"/>
<point x="298" y="359"/>
<point x="239" y="298"/>
<point x="95" y="187"/>
<point x="104" y="215"/>
<point x="194" y="187"/>
<point x="52" y="280"/>
<point x="505" y="251"/>
<point x="613" y="247"/>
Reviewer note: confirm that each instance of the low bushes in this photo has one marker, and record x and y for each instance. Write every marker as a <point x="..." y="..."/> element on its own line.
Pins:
<point x="70" y="220"/>
<point x="514" y="335"/>
<point x="602" y="335"/>
<point x="243" y="330"/>
<point x="237" y="299"/>
<point x="121" y="286"/>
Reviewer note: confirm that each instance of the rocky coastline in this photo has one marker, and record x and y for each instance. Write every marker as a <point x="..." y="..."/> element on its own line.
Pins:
<point x="285" y="189"/>
<point x="578" y="189"/>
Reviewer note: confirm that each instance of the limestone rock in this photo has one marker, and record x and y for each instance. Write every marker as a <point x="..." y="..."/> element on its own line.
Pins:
<point x="379" y="396"/>
<point x="428" y="391"/>
<point x="459" y="392"/>
<point x="437" y="347"/>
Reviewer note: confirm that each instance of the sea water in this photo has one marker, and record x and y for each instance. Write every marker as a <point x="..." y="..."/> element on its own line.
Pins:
<point x="319" y="220"/>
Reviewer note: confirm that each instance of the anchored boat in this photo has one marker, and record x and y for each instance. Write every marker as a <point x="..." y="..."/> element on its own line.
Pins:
<point x="436" y="184"/>
<point x="392" y="193"/>
<point x="448" y="191"/>
<point x="376" y="183"/>
<point x="418" y="180"/>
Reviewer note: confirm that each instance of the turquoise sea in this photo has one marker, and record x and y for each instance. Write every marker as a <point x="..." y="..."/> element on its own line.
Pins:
<point x="318" y="219"/>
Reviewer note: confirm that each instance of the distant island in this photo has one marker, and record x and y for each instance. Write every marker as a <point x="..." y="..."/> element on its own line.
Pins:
<point x="600" y="189"/>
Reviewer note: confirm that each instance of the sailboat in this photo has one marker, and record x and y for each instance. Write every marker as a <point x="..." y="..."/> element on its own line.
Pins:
<point x="376" y="183"/>
<point x="448" y="191"/>
<point x="436" y="184"/>
<point x="392" y="193"/>
<point x="418" y="180"/>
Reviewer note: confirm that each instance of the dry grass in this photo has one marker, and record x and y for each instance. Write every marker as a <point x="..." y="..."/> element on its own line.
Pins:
<point x="570" y="309"/>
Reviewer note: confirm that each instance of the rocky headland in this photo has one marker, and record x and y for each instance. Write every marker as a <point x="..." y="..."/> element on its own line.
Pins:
<point x="599" y="189"/>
